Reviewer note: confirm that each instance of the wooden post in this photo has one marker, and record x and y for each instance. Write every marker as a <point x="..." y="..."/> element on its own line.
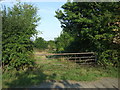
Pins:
<point x="75" y="60"/>
<point x="95" y="58"/>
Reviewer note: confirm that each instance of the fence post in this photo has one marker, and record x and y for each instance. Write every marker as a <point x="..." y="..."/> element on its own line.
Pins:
<point x="95" y="57"/>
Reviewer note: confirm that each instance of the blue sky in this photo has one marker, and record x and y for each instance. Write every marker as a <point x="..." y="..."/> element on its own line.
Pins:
<point x="48" y="25"/>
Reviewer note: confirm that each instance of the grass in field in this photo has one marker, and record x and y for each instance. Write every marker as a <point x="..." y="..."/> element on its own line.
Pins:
<point x="65" y="70"/>
<point x="55" y="69"/>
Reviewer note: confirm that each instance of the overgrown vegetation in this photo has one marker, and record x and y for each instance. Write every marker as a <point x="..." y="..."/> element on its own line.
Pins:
<point x="43" y="45"/>
<point x="19" y="23"/>
<point x="13" y="78"/>
<point x="93" y="27"/>
<point x="55" y="69"/>
<point x="40" y="43"/>
<point x="63" y="41"/>
<point x="67" y="70"/>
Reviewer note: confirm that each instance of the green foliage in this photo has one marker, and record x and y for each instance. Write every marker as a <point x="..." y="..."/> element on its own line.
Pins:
<point x="19" y="23"/>
<point x="91" y="25"/>
<point x="40" y="43"/>
<point x="51" y="45"/>
<point x="109" y="58"/>
<point x="63" y="41"/>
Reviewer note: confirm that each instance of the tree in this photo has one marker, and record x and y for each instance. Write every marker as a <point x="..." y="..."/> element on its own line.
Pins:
<point x="63" y="41"/>
<point x="92" y="26"/>
<point x="40" y="43"/>
<point x="51" y="45"/>
<point x="19" y="23"/>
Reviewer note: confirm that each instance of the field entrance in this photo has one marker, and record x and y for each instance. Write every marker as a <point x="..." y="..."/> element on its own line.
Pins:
<point x="87" y="58"/>
<point x="69" y="66"/>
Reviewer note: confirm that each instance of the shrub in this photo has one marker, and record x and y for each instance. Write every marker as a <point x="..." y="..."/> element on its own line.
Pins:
<point x="19" y="23"/>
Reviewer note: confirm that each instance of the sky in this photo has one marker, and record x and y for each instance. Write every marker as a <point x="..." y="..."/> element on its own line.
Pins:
<point x="49" y="25"/>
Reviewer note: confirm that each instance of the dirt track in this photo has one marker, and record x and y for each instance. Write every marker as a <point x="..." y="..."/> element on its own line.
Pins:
<point x="102" y="83"/>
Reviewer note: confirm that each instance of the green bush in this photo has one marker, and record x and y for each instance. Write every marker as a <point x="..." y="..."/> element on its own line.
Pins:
<point x="40" y="43"/>
<point x="108" y="58"/>
<point x="93" y="27"/>
<point x="19" y="23"/>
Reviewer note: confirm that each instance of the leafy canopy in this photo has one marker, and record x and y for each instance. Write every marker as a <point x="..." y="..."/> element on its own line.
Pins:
<point x="92" y="25"/>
